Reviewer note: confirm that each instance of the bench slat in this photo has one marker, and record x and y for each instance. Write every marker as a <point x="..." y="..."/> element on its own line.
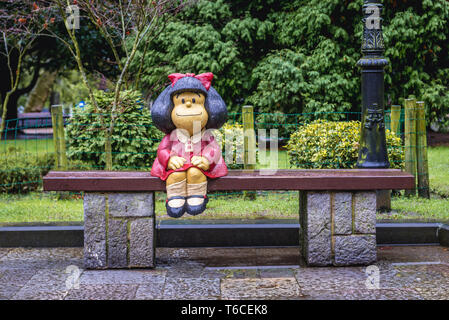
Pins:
<point x="316" y="179"/>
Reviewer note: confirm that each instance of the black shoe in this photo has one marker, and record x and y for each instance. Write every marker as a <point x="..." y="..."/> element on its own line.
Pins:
<point x="195" y="210"/>
<point x="175" y="212"/>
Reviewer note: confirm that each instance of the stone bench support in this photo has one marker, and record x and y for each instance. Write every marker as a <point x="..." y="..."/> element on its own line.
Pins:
<point x="338" y="228"/>
<point x="119" y="230"/>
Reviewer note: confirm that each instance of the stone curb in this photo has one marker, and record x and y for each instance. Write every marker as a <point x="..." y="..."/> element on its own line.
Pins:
<point x="198" y="235"/>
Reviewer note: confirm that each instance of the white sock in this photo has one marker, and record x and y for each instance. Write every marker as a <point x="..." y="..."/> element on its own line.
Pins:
<point x="177" y="189"/>
<point x="199" y="189"/>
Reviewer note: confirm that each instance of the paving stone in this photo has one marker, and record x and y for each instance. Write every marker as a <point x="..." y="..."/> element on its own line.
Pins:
<point x="7" y="291"/>
<point x="14" y="274"/>
<point x="3" y="252"/>
<point x="117" y="243"/>
<point x="42" y="254"/>
<point x="431" y="281"/>
<point x="210" y="257"/>
<point x="342" y="213"/>
<point x="231" y="257"/>
<point x="131" y="204"/>
<point x="364" y="294"/>
<point x="11" y="280"/>
<point x="103" y="292"/>
<point x="259" y="288"/>
<point x="191" y="288"/>
<point x="198" y="298"/>
<point x="152" y="291"/>
<point x="431" y="291"/>
<point x="141" y="243"/>
<point x="277" y="272"/>
<point x="170" y="256"/>
<point x="41" y="258"/>
<point x="241" y="273"/>
<point x="45" y="285"/>
<point x="193" y="270"/>
<point x="276" y="257"/>
<point x="413" y="253"/>
<point x="31" y="265"/>
<point x="331" y="278"/>
<point x="17" y="275"/>
<point x="425" y="276"/>
<point x="365" y="212"/>
<point x="180" y="265"/>
<point x="100" y="277"/>
<point x="26" y="254"/>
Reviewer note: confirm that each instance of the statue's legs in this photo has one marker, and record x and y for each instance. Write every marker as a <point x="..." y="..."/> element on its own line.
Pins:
<point x="176" y="194"/>
<point x="196" y="191"/>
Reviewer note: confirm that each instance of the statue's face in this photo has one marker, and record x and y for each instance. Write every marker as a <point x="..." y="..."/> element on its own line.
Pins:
<point x="189" y="112"/>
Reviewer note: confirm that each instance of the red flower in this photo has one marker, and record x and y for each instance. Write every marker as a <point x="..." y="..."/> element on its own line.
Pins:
<point x="22" y="20"/>
<point x="35" y="6"/>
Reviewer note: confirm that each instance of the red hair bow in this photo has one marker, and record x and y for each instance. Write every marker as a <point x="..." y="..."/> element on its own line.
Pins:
<point x="205" y="78"/>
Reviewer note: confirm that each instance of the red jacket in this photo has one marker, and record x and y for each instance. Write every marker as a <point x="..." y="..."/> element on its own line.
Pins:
<point x="179" y="143"/>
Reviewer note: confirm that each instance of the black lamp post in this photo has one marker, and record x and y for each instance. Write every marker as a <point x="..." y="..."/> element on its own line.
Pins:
<point x="372" y="149"/>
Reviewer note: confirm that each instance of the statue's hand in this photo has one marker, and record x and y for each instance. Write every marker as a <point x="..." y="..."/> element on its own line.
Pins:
<point x="175" y="162"/>
<point x="200" y="162"/>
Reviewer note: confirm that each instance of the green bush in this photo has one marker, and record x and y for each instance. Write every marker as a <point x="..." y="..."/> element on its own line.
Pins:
<point x="299" y="56"/>
<point x="235" y="132"/>
<point x="134" y="139"/>
<point x="22" y="171"/>
<point x="334" y="144"/>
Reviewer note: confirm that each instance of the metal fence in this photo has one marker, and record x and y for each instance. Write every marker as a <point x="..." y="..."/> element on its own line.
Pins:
<point x="34" y="145"/>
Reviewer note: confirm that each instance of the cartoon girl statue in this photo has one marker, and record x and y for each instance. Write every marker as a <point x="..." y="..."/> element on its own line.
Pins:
<point x="189" y="153"/>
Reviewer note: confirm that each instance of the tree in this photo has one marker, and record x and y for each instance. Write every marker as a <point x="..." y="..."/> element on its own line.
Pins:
<point x="46" y="52"/>
<point x="40" y="92"/>
<point x="19" y="26"/>
<point x="300" y="56"/>
<point x="126" y="26"/>
<point x="417" y="42"/>
<point x="211" y="36"/>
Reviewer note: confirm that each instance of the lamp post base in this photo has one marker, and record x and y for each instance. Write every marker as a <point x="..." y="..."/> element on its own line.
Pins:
<point x="373" y="165"/>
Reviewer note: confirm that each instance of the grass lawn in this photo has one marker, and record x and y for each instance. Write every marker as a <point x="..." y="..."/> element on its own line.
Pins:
<point x="439" y="170"/>
<point x="39" y="207"/>
<point x="267" y="205"/>
<point x="34" y="146"/>
<point x="48" y="207"/>
<point x="435" y="209"/>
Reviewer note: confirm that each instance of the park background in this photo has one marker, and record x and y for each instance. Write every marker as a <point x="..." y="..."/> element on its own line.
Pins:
<point x="293" y="61"/>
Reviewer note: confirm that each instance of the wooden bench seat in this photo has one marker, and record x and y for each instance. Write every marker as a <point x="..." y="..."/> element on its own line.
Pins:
<point x="319" y="179"/>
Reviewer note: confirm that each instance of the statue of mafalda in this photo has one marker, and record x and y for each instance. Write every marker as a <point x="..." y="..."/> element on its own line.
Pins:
<point x="189" y="153"/>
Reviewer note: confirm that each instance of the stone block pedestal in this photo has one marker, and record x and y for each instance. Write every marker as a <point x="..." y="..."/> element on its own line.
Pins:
<point x="338" y="228"/>
<point x="119" y="230"/>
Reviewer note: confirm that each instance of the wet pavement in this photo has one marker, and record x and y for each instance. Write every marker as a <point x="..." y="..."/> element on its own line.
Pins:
<point x="413" y="272"/>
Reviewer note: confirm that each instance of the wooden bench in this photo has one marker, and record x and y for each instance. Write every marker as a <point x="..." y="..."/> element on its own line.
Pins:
<point x="337" y="211"/>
